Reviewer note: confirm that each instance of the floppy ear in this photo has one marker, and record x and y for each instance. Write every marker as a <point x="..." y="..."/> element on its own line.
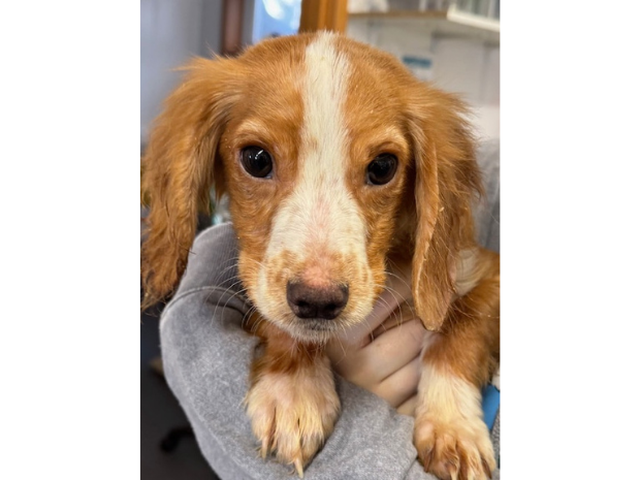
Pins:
<point x="178" y="171"/>
<point x="447" y="179"/>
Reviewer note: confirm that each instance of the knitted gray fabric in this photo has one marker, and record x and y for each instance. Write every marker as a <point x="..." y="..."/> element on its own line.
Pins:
<point x="495" y="437"/>
<point x="206" y="356"/>
<point x="487" y="212"/>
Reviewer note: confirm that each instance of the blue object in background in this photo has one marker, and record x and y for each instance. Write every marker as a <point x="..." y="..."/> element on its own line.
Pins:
<point x="490" y="404"/>
<point x="274" y="18"/>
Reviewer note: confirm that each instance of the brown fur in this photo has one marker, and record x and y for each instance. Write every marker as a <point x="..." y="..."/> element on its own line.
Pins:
<point x="423" y="217"/>
<point x="179" y="172"/>
<point x="470" y="340"/>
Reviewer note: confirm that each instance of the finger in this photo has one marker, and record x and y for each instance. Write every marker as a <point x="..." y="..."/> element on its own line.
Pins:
<point x="409" y="406"/>
<point x="370" y="365"/>
<point x="395" y="348"/>
<point x="401" y="385"/>
<point x="341" y="355"/>
<point x="388" y="353"/>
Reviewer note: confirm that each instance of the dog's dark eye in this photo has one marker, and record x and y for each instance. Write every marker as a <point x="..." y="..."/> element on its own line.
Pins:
<point x="257" y="162"/>
<point x="382" y="169"/>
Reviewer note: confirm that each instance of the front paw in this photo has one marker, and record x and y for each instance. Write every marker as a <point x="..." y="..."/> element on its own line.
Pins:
<point x="292" y="415"/>
<point x="458" y="449"/>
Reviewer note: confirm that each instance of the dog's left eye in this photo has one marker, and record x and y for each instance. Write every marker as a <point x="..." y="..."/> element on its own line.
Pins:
<point x="257" y="162"/>
<point x="382" y="169"/>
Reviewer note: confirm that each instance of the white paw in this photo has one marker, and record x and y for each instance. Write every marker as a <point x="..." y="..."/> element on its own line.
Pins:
<point x="292" y="415"/>
<point x="457" y="449"/>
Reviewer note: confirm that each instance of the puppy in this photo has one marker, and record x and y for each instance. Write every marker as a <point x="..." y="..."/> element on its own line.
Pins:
<point x="337" y="161"/>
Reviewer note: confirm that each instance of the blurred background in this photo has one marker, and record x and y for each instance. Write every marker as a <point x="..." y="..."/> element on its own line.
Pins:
<point x="455" y="44"/>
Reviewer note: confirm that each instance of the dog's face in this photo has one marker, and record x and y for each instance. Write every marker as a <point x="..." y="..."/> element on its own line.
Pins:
<point x="328" y="151"/>
<point x="315" y="166"/>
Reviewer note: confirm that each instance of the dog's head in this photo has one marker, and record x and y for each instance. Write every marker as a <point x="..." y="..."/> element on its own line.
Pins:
<point x="333" y="156"/>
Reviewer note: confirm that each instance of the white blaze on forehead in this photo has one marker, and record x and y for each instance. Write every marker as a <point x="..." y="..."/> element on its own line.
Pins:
<point x="325" y="87"/>
<point x="320" y="214"/>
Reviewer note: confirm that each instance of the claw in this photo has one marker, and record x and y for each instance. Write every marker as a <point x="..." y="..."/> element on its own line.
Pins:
<point x="267" y="441"/>
<point x="298" y="464"/>
<point x="453" y="472"/>
<point x="264" y="450"/>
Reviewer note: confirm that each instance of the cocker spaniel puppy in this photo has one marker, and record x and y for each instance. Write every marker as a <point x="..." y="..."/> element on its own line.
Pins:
<point x="337" y="161"/>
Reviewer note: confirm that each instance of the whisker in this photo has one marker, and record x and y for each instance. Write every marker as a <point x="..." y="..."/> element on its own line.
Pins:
<point x="230" y="287"/>
<point x="394" y="275"/>
<point x="398" y="311"/>
<point x="256" y="261"/>
<point x="233" y="262"/>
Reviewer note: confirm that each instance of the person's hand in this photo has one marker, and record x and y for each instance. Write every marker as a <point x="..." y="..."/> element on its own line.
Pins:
<point x="382" y="354"/>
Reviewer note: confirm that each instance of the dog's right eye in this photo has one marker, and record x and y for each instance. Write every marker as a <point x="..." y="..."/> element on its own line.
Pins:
<point x="257" y="162"/>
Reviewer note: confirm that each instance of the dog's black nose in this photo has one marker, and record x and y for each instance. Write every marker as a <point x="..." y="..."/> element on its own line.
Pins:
<point x="317" y="302"/>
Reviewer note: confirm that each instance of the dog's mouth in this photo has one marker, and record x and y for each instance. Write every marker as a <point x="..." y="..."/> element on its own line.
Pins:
<point x="317" y="325"/>
<point x="314" y="330"/>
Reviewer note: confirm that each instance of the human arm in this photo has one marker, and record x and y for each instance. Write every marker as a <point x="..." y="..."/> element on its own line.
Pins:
<point x="206" y="358"/>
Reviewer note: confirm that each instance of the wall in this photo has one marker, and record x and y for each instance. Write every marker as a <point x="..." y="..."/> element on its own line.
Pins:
<point x="467" y="66"/>
<point x="172" y="31"/>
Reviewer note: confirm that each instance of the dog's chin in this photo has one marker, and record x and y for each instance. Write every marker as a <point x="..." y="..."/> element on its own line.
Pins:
<point x="312" y="330"/>
<point x="309" y="330"/>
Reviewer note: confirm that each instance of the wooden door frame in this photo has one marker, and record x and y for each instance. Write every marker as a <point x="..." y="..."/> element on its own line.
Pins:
<point x="323" y="15"/>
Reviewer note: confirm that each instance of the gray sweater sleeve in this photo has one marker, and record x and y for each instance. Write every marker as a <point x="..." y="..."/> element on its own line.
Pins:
<point x="206" y="357"/>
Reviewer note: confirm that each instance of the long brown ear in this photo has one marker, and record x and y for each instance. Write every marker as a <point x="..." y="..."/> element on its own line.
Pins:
<point x="178" y="171"/>
<point x="447" y="179"/>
